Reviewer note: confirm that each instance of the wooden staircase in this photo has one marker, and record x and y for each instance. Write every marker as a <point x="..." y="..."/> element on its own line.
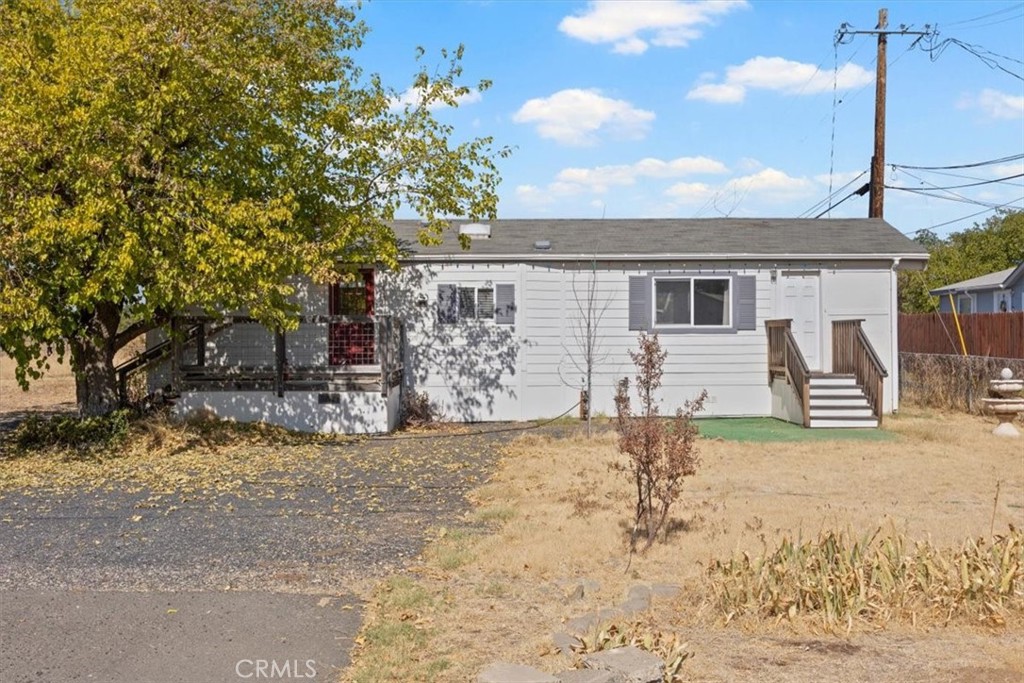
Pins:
<point x="851" y="396"/>
<point x="838" y="401"/>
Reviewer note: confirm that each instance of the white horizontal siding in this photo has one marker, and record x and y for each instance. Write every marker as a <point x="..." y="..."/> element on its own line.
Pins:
<point x="539" y="378"/>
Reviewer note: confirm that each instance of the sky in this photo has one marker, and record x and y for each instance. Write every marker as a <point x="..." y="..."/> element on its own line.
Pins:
<point x="673" y="109"/>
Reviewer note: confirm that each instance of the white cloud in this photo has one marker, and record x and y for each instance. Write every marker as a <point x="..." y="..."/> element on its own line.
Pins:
<point x="575" y="116"/>
<point x="690" y="193"/>
<point x="600" y="178"/>
<point x="1004" y="170"/>
<point x="768" y="185"/>
<point x="749" y="164"/>
<point x="663" y="23"/>
<point x="414" y="96"/>
<point x="779" y="75"/>
<point x="719" y="93"/>
<point x="531" y="195"/>
<point x="996" y="104"/>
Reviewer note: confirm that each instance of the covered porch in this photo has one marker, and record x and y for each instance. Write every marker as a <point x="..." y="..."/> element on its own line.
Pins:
<point x="334" y="373"/>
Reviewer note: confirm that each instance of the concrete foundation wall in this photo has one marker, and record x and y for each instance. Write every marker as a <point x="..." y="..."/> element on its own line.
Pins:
<point x="363" y="412"/>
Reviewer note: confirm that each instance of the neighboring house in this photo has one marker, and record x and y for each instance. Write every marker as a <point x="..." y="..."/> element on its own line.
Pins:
<point x="493" y="333"/>
<point x="1001" y="291"/>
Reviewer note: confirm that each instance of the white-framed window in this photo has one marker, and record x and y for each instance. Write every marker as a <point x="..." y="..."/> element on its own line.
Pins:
<point x="694" y="301"/>
<point x="964" y="303"/>
<point x="487" y="302"/>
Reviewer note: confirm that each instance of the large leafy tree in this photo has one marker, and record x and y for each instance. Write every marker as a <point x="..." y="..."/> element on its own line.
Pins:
<point x="996" y="244"/>
<point x="160" y="154"/>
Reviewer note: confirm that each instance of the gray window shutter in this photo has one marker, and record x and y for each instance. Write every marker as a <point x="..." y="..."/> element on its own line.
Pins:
<point x="485" y="304"/>
<point x="505" y="304"/>
<point x="640" y="303"/>
<point x="467" y="303"/>
<point x="746" y="302"/>
<point x="447" y="304"/>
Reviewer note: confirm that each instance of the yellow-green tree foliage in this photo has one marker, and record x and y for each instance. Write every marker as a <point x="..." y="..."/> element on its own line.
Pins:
<point x="994" y="245"/>
<point x="158" y="154"/>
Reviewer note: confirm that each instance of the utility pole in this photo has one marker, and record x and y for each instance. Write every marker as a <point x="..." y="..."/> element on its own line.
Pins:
<point x="876" y="199"/>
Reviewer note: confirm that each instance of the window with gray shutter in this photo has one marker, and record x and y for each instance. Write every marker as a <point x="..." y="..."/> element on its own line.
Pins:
<point x="447" y="304"/>
<point x="505" y="304"/>
<point x="692" y="303"/>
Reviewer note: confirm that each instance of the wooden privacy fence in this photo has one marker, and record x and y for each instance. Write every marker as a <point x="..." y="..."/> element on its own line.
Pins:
<point x="996" y="335"/>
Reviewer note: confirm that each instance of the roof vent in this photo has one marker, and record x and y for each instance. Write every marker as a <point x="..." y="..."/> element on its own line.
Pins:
<point x="476" y="231"/>
<point x="542" y="245"/>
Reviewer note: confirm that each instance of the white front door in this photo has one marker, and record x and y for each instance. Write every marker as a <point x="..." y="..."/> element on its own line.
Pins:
<point x="799" y="299"/>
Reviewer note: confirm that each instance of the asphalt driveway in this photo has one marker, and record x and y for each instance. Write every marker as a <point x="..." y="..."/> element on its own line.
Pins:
<point x="106" y="585"/>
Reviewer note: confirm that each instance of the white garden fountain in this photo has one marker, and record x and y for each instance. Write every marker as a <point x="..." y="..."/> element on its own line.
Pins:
<point x="1009" y="401"/>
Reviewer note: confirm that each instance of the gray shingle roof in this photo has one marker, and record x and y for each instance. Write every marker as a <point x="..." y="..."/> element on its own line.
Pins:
<point x="613" y="238"/>
<point x="987" y="281"/>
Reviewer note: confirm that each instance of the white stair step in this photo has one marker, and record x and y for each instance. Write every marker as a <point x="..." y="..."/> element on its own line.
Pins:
<point x="834" y="381"/>
<point x="836" y="391"/>
<point x="830" y="413"/>
<point x="856" y="401"/>
<point x="841" y="424"/>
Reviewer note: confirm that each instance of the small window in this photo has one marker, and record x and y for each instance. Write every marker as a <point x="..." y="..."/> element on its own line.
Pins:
<point x="455" y="303"/>
<point x="965" y="304"/>
<point x="485" y="304"/>
<point x="692" y="302"/>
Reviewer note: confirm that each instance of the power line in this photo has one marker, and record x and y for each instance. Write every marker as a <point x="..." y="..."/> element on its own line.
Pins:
<point x="954" y="198"/>
<point x="987" y="57"/>
<point x="830" y="196"/>
<point x="963" y="218"/>
<point x="993" y="23"/>
<point x="860" y="191"/>
<point x="1011" y="8"/>
<point x="957" y="187"/>
<point x="947" y="174"/>
<point x="990" y="162"/>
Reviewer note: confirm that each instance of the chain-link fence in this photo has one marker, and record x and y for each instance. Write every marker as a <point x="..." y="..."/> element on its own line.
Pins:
<point x="952" y="382"/>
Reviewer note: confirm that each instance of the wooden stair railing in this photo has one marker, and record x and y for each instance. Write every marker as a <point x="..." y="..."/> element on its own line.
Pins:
<point x="853" y="354"/>
<point x="786" y="360"/>
<point x="154" y="354"/>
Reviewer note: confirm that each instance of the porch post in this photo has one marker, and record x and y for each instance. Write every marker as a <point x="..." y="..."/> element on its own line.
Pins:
<point x="279" y="362"/>
<point x="176" y="354"/>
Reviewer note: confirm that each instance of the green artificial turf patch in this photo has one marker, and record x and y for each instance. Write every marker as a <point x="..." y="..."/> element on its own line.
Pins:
<point x="770" y="429"/>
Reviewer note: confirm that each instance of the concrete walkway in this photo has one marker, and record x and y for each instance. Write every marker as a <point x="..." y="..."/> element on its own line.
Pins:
<point x="158" y="637"/>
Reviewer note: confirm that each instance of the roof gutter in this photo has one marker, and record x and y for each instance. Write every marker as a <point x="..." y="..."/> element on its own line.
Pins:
<point x="549" y="256"/>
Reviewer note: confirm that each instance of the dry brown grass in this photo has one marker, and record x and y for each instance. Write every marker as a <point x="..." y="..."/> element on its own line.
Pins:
<point x="936" y="481"/>
<point x="55" y="391"/>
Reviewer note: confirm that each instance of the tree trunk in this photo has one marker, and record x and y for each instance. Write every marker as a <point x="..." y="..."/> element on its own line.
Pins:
<point x="92" y="359"/>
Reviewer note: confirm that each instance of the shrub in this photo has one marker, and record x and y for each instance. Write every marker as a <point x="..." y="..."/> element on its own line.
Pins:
<point x="875" y="578"/>
<point x="661" y="454"/>
<point x="419" y="411"/>
<point x="71" y="432"/>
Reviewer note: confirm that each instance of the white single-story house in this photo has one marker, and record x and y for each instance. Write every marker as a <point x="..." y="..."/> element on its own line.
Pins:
<point x="789" y="318"/>
<point x="999" y="292"/>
